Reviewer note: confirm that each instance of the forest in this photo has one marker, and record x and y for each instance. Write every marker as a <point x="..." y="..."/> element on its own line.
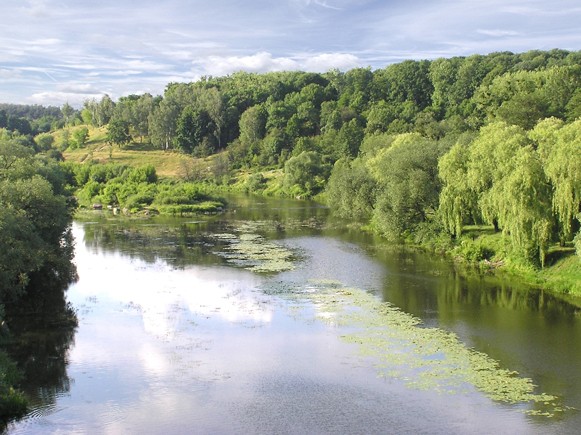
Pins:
<point x="477" y="156"/>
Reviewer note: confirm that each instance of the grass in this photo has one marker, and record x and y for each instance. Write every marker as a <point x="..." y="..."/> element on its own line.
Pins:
<point x="167" y="164"/>
<point x="481" y="246"/>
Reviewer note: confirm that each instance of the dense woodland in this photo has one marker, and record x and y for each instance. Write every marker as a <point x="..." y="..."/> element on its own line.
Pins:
<point x="418" y="151"/>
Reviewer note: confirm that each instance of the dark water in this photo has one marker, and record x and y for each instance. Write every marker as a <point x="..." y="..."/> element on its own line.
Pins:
<point x="175" y="336"/>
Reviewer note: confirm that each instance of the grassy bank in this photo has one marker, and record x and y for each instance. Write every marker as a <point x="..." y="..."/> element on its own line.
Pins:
<point x="167" y="164"/>
<point x="482" y="248"/>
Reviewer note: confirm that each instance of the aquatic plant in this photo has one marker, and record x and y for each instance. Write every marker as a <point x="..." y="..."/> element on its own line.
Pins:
<point x="424" y="358"/>
<point x="245" y="248"/>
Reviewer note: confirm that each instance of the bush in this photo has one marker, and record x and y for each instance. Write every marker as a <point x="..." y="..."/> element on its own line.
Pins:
<point x="255" y="183"/>
<point x="474" y="252"/>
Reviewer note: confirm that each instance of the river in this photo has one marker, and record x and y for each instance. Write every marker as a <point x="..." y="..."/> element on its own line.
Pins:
<point x="269" y="319"/>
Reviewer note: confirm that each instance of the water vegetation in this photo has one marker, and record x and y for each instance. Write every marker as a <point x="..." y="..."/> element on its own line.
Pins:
<point x="245" y="248"/>
<point x="401" y="347"/>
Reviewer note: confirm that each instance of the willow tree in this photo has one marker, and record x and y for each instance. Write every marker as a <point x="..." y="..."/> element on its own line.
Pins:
<point x="562" y="150"/>
<point x="523" y="200"/>
<point x="458" y="201"/>
<point x="490" y="162"/>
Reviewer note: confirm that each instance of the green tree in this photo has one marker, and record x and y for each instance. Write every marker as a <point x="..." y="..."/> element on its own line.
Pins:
<point x="351" y="190"/>
<point x="162" y="123"/>
<point x="80" y="137"/>
<point x="559" y="146"/>
<point x="193" y="127"/>
<point x="305" y="174"/>
<point x="408" y="185"/>
<point x="252" y="126"/>
<point x="523" y="200"/>
<point x="490" y="161"/>
<point x="458" y="201"/>
<point x="118" y="132"/>
<point x="44" y="141"/>
<point x="68" y="113"/>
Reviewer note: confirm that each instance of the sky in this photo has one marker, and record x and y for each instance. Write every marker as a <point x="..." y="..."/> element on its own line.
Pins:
<point x="57" y="51"/>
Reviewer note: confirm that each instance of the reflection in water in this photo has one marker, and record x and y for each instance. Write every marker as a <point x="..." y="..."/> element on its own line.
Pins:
<point x="41" y="346"/>
<point x="171" y="337"/>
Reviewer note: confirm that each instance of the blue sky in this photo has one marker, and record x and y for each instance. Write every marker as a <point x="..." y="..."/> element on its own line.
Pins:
<point x="56" y="51"/>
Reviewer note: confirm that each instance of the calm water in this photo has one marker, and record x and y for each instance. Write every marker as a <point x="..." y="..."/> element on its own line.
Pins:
<point x="177" y="335"/>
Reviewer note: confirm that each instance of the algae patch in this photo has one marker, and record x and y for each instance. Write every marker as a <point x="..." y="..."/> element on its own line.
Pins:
<point x="245" y="248"/>
<point x="424" y="358"/>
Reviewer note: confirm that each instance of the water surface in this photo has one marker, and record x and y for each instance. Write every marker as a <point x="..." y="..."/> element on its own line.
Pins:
<point x="179" y="333"/>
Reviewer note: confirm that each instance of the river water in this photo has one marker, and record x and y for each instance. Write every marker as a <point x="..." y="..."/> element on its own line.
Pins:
<point x="215" y="325"/>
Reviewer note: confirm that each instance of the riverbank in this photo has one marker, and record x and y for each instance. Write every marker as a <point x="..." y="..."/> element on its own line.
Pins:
<point x="482" y="249"/>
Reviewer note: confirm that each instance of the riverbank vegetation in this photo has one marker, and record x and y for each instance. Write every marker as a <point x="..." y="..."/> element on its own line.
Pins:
<point x="36" y="210"/>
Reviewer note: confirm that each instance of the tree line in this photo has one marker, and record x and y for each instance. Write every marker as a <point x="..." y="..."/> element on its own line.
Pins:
<point x="414" y="147"/>
<point x="418" y="147"/>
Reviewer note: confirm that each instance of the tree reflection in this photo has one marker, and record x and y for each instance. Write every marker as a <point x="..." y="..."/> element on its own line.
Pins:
<point x="42" y="329"/>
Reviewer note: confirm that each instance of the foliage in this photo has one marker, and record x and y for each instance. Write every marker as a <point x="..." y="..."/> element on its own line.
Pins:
<point x="418" y="147"/>
<point x="36" y="259"/>
<point x="351" y="190"/>
<point x="118" y="132"/>
<point x="305" y="174"/>
<point x="133" y="189"/>
<point x="408" y="185"/>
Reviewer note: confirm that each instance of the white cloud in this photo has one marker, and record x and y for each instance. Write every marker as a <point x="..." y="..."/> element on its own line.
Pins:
<point x="58" y="98"/>
<point x="259" y="62"/>
<point x="497" y="32"/>
<point x="326" y="61"/>
<point x="266" y="62"/>
<point x="78" y="88"/>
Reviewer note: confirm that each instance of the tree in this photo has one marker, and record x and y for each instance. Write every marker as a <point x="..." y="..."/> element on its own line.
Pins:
<point x="523" y="200"/>
<point x="305" y="174"/>
<point x="104" y="110"/>
<point x="458" y="201"/>
<point x="68" y="113"/>
<point x="34" y="222"/>
<point x="349" y="139"/>
<point x="118" y="132"/>
<point x="252" y="126"/>
<point x="193" y="127"/>
<point x="212" y="102"/>
<point x="351" y="190"/>
<point x="490" y="161"/>
<point x="560" y="148"/>
<point x="80" y="136"/>
<point x="162" y="123"/>
<point x="44" y="141"/>
<point x="408" y="186"/>
<point x="140" y="116"/>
